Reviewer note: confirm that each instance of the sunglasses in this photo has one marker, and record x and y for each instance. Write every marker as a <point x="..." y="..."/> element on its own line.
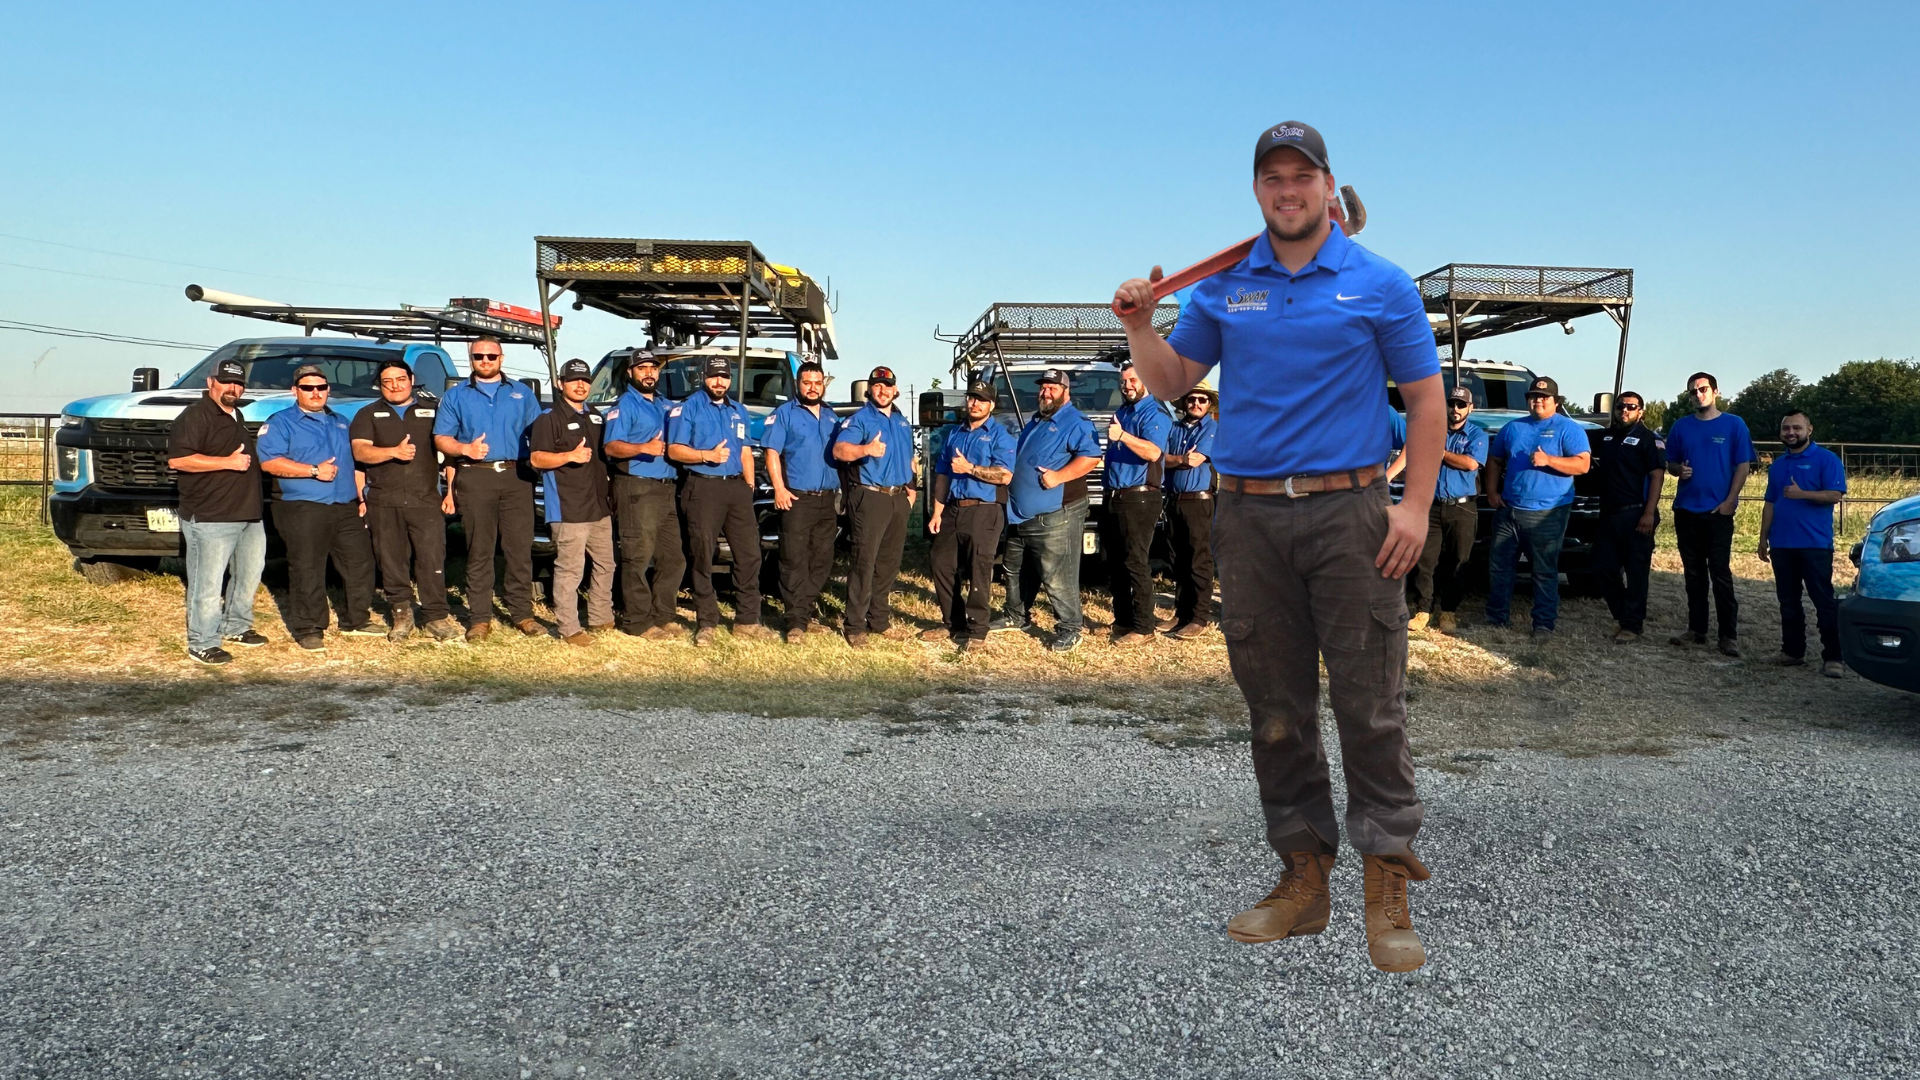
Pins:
<point x="486" y="356"/>
<point x="1703" y="390"/>
<point x="1624" y="407"/>
<point x="1458" y="405"/>
<point x="1197" y="399"/>
<point x="311" y="387"/>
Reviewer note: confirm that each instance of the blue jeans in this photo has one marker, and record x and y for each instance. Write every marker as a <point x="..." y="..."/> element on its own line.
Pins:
<point x="213" y="549"/>
<point x="1540" y="532"/>
<point x="1055" y="542"/>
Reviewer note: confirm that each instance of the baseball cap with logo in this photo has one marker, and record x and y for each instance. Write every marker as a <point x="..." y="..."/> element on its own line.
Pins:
<point x="1057" y="376"/>
<point x="716" y="365"/>
<point x="1293" y="133"/>
<point x="305" y="370"/>
<point x="983" y="391"/>
<point x="1460" y="393"/>
<point x="882" y="376"/>
<point x="1543" y="385"/>
<point x="575" y="368"/>
<point x="642" y="356"/>
<point x="231" y="371"/>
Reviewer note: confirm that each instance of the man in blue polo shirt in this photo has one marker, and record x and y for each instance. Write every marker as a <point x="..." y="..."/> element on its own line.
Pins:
<point x="966" y="517"/>
<point x="1452" y="521"/>
<point x="1530" y="471"/>
<point x="798" y="441"/>
<point x="1190" y="513"/>
<point x="644" y="483"/>
<point x="1307" y="331"/>
<point x="1047" y="510"/>
<point x="482" y="430"/>
<point x="1135" y="476"/>
<point x="876" y="444"/>
<point x="1710" y="453"/>
<point x="707" y="433"/>
<point x="1796" y="536"/>
<point x="317" y="511"/>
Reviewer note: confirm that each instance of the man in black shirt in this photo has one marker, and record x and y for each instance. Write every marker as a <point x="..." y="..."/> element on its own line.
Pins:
<point x="212" y="450"/>
<point x="393" y="441"/>
<point x="1630" y="461"/>
<point x="564" y="444"/>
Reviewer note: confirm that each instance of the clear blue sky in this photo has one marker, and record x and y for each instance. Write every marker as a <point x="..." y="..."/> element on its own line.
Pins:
<point x="1754" y="163"/>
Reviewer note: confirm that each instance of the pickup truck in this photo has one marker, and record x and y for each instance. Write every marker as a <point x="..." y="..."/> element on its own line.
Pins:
<point x="115" y="503"/>
<point x="1880" y="619"/>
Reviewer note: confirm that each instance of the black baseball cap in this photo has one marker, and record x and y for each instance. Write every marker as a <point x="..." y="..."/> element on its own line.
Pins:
<point x="983" y="391"/>
<point x="1301" y="137"/>
<point x="1057" y="376"/>
<point x="305" y="370"/>
<point x="716" y="365"/>
<point x="642" y="356"/>
<point x="575" y="368"/>
<point x="1460" y="393"/>
<point x="883" y="376"/>
<point x="1543" y="385"/>
<point x="230" y="371"/>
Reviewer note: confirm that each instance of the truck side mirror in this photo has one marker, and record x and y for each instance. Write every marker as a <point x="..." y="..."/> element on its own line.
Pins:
<point x="859" y="391"/>
<point x="534" y="385"/>
<point x="146" y="378"/>
<point x="1603" y="403"/>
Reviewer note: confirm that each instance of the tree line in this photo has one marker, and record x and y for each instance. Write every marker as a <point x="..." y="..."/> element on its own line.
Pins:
<point x="1865" y="401"/>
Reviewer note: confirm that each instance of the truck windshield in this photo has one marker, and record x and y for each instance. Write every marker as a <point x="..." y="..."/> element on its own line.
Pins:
<point x="351" y="371"/>
<point x="768" y="384"/>
<point x="1092" y="391"/>
<point x="1491" y="389"/>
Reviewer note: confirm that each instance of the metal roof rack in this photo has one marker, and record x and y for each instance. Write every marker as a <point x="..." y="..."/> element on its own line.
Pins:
<point x="1486" y="300"/>
<point x="409" y="322"/>
<point x="1071" y="333"/>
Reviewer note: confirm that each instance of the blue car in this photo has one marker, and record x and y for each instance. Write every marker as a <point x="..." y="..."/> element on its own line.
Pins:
<point x="1880" y="621"/>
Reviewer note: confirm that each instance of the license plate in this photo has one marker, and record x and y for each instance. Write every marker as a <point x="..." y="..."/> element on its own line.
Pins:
<point x="163" y="520"/>
<point x="1090" y="544"/>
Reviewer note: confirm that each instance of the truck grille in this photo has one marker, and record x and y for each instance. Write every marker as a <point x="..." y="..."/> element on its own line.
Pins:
<point x="133" y="470"/>
<point x="122" y="426"/>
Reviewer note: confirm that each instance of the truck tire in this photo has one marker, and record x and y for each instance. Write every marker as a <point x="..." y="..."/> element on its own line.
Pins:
<point x="106" y="571"/>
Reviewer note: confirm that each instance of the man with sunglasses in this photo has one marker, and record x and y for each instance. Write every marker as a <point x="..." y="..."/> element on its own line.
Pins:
<point x="645" y="513"/>
<point x="1135" y="477"/>
<point x="707" y="435"/>
<point x="393" y="443"/>
<point x="1190" y="513"/>
<point x="1630" y="462"/>
<point x="1710" y="453"/>
<point x="1452" y="521"/>
<point x="564" y="444"/>
<point x="211" y="449"/>
<point x="482" y="429"/>
<point x="318" y="512"/>
<point x="875" y="446"/>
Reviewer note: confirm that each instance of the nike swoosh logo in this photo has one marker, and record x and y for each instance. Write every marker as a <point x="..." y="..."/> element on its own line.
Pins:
<point x="1337" y="296"/>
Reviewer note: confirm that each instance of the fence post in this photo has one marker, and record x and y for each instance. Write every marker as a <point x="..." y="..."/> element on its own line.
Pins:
<point x="46" y="473"/>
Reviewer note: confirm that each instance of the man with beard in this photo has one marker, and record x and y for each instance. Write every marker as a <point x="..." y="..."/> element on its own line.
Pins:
<point x="1631" y="463"/>
<point x="1711" y="453"/>
<point x="1190" y="513"/>
<point x="1796" y="536"/>
<point x="1451" y="521"/>
<point x="1136" y="443"/>
<point x="643" y="502"/>
<point x="393" y="443"/>
<point x="564" y="444"/>
<point x="1307" y="331"/>
<point x="481" y="427"/>
<point x="798" y="441"/>
<point x="707" y="433"/>
<point x="1530" y="469"/>
<point x="877" y="444"/>
<point x="220" y="516"/>
<point x="967" y="517"/>
<point x="1047" y="508"/>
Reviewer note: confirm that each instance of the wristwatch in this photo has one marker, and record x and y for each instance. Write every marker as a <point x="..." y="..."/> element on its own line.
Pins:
<point x="315" y="474"/>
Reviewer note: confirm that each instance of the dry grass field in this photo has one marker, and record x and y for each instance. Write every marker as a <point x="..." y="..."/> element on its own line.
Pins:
<point x="107" y="664"/>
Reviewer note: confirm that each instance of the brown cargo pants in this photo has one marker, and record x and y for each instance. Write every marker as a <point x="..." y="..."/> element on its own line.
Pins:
<point x="1297" y="583"/>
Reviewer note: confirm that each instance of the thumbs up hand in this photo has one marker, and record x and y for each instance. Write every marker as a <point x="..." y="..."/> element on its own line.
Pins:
<point x="1115" y="432"/>
<point x="961" y="465"/>
<point x="327" y="470"/>
<point x="239" y="460"/>
<point x="406" y="449"/>
<point x="477" y="449"/>
<point x="878" y="447"/>
<point x="581" y="454"/>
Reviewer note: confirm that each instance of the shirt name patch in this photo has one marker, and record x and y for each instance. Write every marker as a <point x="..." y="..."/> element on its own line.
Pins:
<point x="1631" y="440"/>
<point x="1248" y="300"/>
<point x="573" y="427"/>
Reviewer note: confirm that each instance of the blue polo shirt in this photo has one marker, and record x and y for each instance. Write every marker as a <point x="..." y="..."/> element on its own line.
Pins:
<point x="1144" y="419"/>
<point x="1713" y="448"/>
<point x="989" y="445"/>
<point x="1472" y="441"/>
<point x="1304" y="358"/>
<point x="1396" y="431"/>
<point x="805" y="443"/>
<point x="1046" y="443"/>
<point x="1527" y="486"/>
<point x="501" y="410"/>
<point x="893" y="468"/>
<point x="703" y="425"/>
<point x="1192" y="435"/>
<point x="1796" y="522"/>
<point x="310" y="439"/>
<point x="636" y="418"/>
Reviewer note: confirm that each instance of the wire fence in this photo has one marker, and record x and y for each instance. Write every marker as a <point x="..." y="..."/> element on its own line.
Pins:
<point x="26" y="466"/>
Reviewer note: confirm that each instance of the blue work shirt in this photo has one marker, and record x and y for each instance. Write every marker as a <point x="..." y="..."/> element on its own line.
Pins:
<point x="502" y="411"/>
<point x="1713" y="448"/>
<point x="1192" y="435"/>
<point x="805" y="443"/>
<point x="700" y="423"/>
<point x="1144" y="419"/>
<point x="1396" y="431"/>
<point x="1798" y="523"/>
<point x="310" y="439"/>
<point x="1047" y="442"/>
<point x="893" y="468"/>
<point x="1472" y="441"/>
<point x="636" y="418"/>
<point x="988" y="446"/>
<point x="1527" y="486"/>
<point x="1305" y="358"/>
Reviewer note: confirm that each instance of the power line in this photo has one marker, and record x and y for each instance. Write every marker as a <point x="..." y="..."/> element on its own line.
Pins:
<point x="191" y="266"/>
<point x="98" y="335"/>
<point x="76" y="273"/>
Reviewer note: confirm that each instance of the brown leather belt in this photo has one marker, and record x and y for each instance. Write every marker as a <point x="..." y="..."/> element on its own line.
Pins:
<point x="894" y="490"/>
<point x="1136" y="487"/>
<point x="1299" y="486"/>
<point x="1194" y="496"/>
<point x="969" y="502"/>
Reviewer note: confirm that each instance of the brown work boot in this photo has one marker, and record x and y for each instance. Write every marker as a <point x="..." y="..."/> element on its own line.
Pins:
<point x="796" y="631"/>
<point x="937" y="634"/>
<point x="1446" y="622"/>
<point x="753" y="632"/>
<point x="580" y="638"/>
<point x="479" y="631"/>
<point x="704" y="636"/>
<point x="1129" y="640"/>
<point x="897" y="632"/>
<point x="1296" y="907"/>
<point x="663" y="632"/>
<point x="529" y="627"/>
<point x="1418" y="622"/>
<point x="1166" y="624"/>
<point x="857" y="639"/>
<point x="1392" y="944"/>
<point x="1191" y="630"/>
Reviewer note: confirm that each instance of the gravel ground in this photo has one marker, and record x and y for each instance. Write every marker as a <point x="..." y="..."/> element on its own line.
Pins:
<point x="536" y="889"/>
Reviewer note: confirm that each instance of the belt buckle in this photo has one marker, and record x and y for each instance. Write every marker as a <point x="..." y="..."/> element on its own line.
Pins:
<point x="1292" y="494"/>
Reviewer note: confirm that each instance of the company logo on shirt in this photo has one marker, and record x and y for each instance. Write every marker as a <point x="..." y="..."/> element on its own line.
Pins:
<point x="1248" y="300"/>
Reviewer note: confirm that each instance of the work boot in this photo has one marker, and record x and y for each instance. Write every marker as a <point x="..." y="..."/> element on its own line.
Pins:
<point x="1784" y="660"/>
<point x="1446" y="622"/>
<point x="1009" y="624"/>
<point x="1129" y="640"/>
<point x="479" y="631"/>
<point x="1296" y="907"/>
<point x="703" y="637"/>
<point x="444" y="628"/>
<point x="1730" y="647"/>
<point x="1189" y="631"/>
<point x="580" y="638"/>
<point x="1166" y="624"/>
<point x="857" y="639"/>
<point x="1834" y="669"/>
<point x="1626" y="637"/>
<point x="796" y="631"/>
<point x="1418" y="622"/>
<point x="936" y="634"/>
<point x="530" y="627"/>
<point x="1688" y="638"/>
<point x="752" y="632"/>
<point x="897" y="632"/>
<point x="662" y="632"/>
<point x="1392" y="944"/>
<point x="402" y="627"/>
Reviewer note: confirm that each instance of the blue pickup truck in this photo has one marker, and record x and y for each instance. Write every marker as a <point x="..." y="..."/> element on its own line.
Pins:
<point x="1880" y="621"/>
<point x="115" y="503"/>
